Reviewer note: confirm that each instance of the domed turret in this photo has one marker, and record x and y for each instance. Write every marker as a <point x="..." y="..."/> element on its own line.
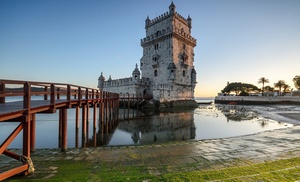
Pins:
<point x="147" y="21"/>
<point x="109" y="79"/>
<point x="136" y="73"/>
<point x="101" y="80"/>
<point x="172" y="8"/>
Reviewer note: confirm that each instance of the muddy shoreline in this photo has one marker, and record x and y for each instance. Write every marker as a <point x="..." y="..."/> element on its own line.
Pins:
<point x="281" y="113"/>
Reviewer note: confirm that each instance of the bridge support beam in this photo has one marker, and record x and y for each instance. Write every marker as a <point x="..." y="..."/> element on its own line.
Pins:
<point x="95" y="124"/>
<point x="64" y="129"/>
<point x="83" y="140"/>
<point x="32" y="133"/>
<point x="77" y="126"/>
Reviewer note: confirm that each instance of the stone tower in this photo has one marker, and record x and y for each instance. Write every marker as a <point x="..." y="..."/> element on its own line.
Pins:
<point x="168" y="56"/>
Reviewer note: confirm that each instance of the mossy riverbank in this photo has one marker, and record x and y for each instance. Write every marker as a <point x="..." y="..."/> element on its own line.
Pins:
<point x="278" y="170"/>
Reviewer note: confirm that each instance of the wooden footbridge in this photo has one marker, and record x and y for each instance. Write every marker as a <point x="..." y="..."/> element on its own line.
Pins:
<point x="55" y="96"/>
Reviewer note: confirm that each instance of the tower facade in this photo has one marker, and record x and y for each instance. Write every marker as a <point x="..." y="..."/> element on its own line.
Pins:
<point x="167" y="65"/>
<point x="168" y="56"/>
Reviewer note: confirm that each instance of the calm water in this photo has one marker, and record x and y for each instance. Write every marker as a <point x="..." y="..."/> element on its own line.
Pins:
<point x="138" y="128"/>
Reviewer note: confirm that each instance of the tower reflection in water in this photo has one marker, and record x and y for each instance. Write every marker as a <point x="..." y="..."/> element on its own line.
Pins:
<point x="135" y="127"/>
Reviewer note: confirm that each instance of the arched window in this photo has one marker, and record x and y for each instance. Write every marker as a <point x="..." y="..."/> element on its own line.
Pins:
<point x="155" y="72"/>
<point x="183" y="73"/>
<point x="157" y="33"/>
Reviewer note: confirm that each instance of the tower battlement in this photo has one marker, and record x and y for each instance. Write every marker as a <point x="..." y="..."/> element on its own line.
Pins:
<point x="125" y="82"/>
<point x="165" y="32"/>
<point x="181" y="18"/>
<point x="150" y="22"/>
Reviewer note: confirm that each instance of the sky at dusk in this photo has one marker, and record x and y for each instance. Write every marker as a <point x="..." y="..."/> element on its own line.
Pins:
<point x="70" y="41"/>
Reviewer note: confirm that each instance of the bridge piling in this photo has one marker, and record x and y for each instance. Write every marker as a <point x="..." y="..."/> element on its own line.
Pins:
<point x="83" y="138"/>
<point x="59" y="128"/>
<point x="87" y="121"/>
<point x="64" y="131"/>
<point x="32" y="133"/>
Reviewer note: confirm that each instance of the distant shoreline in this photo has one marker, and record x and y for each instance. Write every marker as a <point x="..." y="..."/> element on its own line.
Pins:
<point x="257" y="100"/>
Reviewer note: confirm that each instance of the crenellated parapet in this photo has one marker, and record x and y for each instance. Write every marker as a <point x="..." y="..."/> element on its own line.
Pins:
<point x="125" y="82"/>
<point x="181" y="18"/>
<point x="164" y="16"/>
<point x="157" y="35"/>
<point x="157" y="19"/>
<point x="184" y="35"/>
<point x="168" y="32"/>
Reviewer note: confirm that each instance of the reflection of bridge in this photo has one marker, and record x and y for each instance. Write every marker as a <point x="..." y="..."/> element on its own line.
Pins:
<point x="107" y="126"/>
<point x="56" y="96"/>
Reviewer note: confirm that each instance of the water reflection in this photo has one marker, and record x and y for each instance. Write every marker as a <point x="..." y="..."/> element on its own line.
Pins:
<point x="237" y="112"/>
<point x="241" y="113"/>
<point x="160" y="127"/>
<point x="134" y="127"/>
<point x="138" y="128"/>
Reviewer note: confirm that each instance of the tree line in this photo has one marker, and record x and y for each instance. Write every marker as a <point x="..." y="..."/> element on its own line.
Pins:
<point x="243" y="89"/>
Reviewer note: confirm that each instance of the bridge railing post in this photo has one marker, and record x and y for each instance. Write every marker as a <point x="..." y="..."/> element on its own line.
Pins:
<point x="2" y="90"/>
<point x="52" y="94"/>
<point x="46" y="95"/>
<point x="69" y="95"/>
<point x="58" y="93"/>
<point x="27" y="96"/>
<point x="52" y="97"/>
<point x="97" y="96"/>
<point x="93" y="95"/>
<point x="79" y="96"/>
<point x="87" y="94"/>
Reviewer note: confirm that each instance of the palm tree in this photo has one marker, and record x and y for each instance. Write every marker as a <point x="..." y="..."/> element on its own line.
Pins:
<point x="263" y="80"/>
<point x="279" y="85"/>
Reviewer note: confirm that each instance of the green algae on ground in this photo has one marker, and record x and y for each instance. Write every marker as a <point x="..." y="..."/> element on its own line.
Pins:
<point x="278" y="170"/>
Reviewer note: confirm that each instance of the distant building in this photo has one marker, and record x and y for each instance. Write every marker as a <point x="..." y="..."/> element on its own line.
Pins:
<point x="167" y="65"/>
